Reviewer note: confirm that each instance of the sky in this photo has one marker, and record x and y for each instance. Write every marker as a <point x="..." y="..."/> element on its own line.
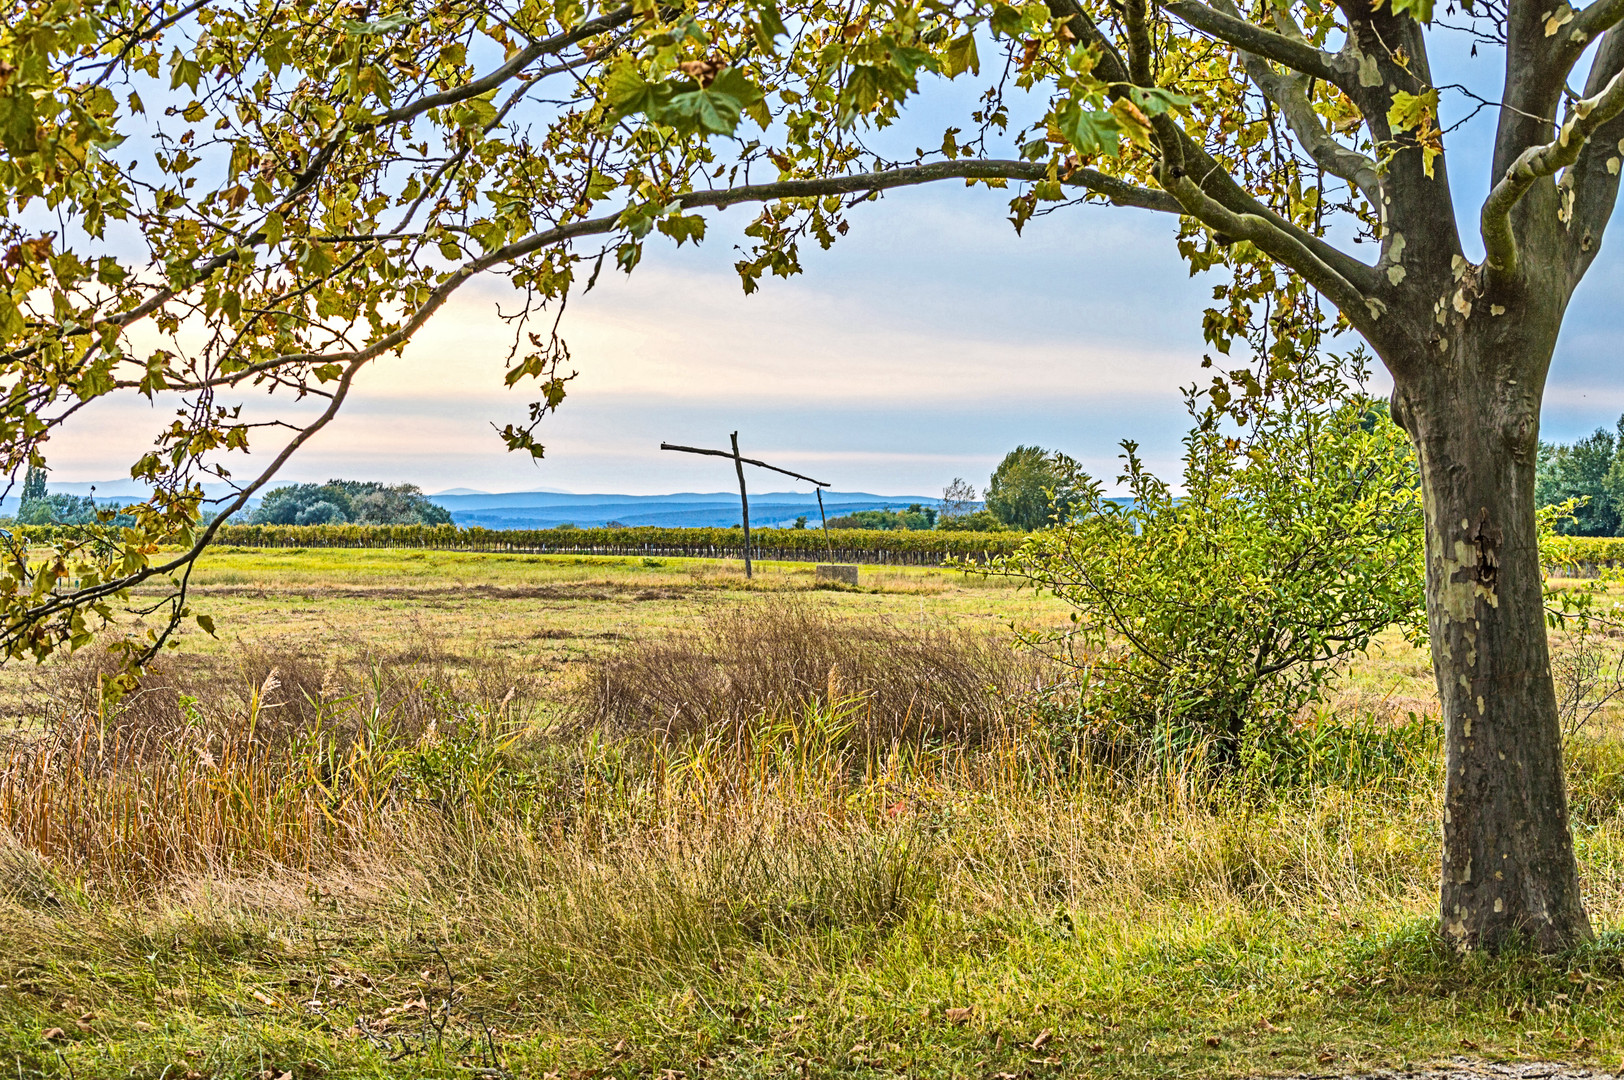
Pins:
<point x="922" y="347"/>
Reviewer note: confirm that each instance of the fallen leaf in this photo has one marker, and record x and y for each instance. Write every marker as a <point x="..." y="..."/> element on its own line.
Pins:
<point x="264" y="999"/>
<point x="959" y="1016"/>
<point x="82" y="1026"/>
<point x="142" y="1025"/>
<point x="1583" y="1043"/>
<point x="1468" y="1044"/>
<point x="1213" y="1040"/>
<point x="1043" y="1037"/>
<point x="53" y="1034"/>
<point x="1325" y="1057"/>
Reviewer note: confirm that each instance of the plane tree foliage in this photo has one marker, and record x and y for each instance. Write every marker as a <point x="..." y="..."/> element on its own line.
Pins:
<point x="212" y="200"/>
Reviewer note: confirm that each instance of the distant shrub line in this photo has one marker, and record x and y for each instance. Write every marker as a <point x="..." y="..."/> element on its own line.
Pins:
<point x="912" y="547"/>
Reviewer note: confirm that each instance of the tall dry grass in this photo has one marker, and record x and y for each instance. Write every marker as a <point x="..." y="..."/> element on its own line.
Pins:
<point x="924" y="681"/>
<point x="280" y="762"/>
<point x="789" y="811"/>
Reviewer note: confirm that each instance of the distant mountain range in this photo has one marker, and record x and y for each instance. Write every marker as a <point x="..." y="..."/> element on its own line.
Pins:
<point x="548" y="509"/>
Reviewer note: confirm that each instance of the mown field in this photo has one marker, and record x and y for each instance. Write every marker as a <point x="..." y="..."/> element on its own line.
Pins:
<point x="419" y="813"/>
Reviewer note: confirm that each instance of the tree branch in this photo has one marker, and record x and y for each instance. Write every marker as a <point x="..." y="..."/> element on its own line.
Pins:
<point x="1245" y="35"/>
<point x="1594" y="178"/>
<point x="1584" y="118"/>
<point x="521" y="60"/>
<point x="1594" y="21"/>
<point x="1179" y="151"/>
<point x="1289" y="94"/>
<point x="1119" y="192"/>
<point x="1279" y="244"/>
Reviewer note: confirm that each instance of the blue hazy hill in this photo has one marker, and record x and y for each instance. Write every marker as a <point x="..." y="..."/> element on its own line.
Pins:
<point x="547" y="509"/>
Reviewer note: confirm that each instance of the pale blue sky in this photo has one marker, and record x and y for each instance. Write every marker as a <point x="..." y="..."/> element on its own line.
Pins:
<point x="923" y="346"/>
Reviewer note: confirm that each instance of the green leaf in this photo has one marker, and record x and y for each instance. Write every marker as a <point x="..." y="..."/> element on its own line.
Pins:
<point x="387" y="24"/>
<point x="627" y="93"/>
<point x="1421" y="10"/>
<point x="683" y="227"/>
<point x="769" y="27"/>
<point x="207" y="624"/>
<point x="19" y="123"/>
<point x="715" y="108"/>
<point x="1091" y="131"/>
<point x="961" y="56"/>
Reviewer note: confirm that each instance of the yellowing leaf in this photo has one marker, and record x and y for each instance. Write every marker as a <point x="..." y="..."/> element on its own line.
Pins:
<point x="1408" y="109"/>
<point x="1132" y="120"/>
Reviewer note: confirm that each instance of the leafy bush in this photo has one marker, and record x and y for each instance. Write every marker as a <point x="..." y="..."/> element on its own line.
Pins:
<point x="1207" y="621"/>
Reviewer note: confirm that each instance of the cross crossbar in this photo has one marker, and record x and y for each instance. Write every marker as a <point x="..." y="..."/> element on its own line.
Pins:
<point x="744" y="499"/>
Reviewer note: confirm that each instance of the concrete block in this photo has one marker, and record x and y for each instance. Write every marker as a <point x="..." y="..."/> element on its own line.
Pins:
<point x="844" y="573"/>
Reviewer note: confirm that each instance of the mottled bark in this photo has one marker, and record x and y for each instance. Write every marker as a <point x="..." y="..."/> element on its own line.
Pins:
<point x="1508" y="868"/>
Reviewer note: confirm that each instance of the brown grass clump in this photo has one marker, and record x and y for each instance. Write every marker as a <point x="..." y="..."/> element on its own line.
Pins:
<point x="915" y="682"/>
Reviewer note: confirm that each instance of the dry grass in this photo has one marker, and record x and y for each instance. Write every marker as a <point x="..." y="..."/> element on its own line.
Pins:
<point x="916" y="681"/>
<point x="285" y="762"/>
<point x="845" y="853"/>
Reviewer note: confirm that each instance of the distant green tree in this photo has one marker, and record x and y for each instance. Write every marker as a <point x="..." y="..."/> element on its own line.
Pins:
<point x="1033" y="487"/>
<point x="349" y="501"/>
<point x="1589" y="469"/>
<point x="34" y="484"/>
<point x="40" y="507"/>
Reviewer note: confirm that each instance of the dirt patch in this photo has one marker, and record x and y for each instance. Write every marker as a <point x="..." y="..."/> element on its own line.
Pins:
<point x="1469" y="1069"/>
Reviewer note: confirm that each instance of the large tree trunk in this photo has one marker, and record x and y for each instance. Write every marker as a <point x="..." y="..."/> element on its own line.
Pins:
<point x="1508" y="864"/>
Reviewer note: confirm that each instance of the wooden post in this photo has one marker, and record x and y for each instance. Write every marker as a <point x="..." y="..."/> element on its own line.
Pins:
<point x="827" y="544"/>
<point x="744" y="498"/>
<point x="744" y="504"/>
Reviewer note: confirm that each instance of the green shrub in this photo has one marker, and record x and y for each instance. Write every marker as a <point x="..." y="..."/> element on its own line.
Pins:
<point x="1206" y="621"/>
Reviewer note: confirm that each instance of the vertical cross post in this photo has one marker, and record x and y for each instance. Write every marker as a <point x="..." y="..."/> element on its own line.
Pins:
<point x="744" y="504"/>
<point x="826" y="543"/>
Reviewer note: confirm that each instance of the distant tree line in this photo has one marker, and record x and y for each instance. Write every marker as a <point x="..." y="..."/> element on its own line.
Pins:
<point x="1590" y="470"/>
<point x="38" y="506"/>
<point x="348" y="502"/>
<point x="1031" y="488"/>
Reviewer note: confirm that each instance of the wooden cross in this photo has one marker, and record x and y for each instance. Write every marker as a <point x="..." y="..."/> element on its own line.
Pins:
<point x="744" y="499"/>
